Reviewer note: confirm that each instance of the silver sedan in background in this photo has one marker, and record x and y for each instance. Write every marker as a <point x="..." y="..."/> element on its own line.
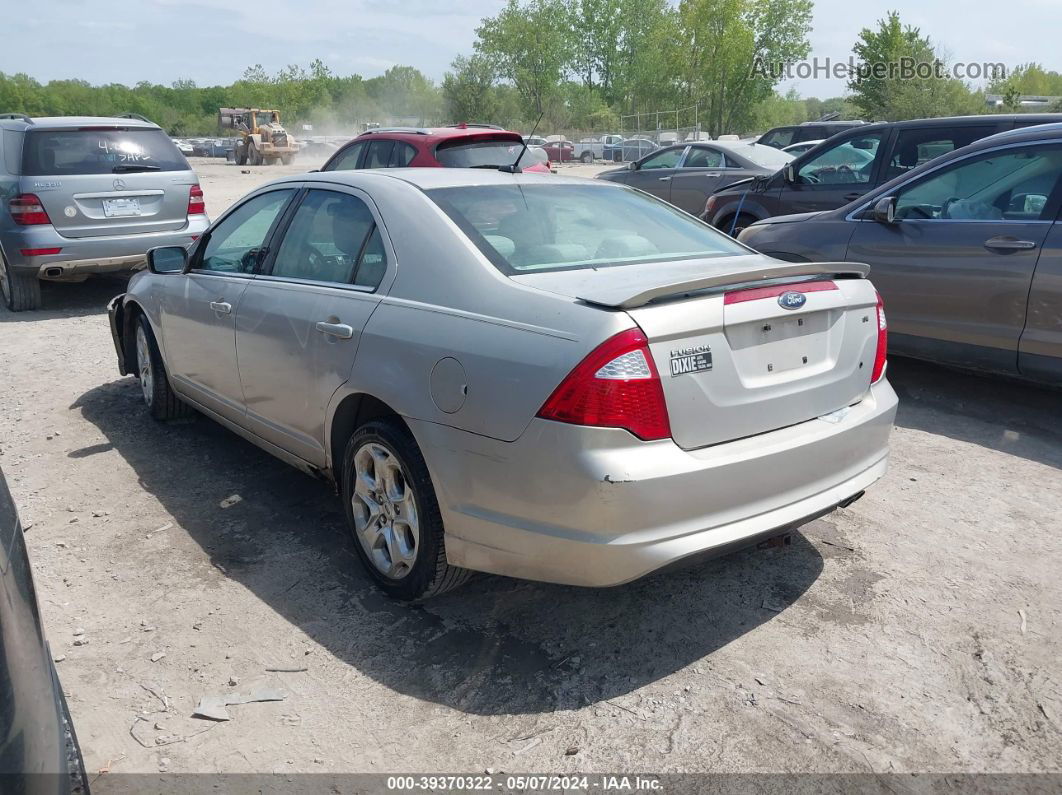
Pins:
<point x="551" y="378"/>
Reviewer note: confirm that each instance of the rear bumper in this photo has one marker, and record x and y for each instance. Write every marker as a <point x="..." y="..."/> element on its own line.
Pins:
<point x="597" y="507"/>
<point x="85" y="255"/>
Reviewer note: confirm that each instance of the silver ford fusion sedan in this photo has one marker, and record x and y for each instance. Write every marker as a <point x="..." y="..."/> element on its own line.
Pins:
<point x="557" y="379"/>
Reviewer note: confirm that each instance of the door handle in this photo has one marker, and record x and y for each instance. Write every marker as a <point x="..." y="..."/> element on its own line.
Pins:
<point x="664" y="179"/>
<point x="1004" y="243"/>
<point x="851" y="197"/>
<point x="341" y="330"/>
<point x="713" y="176"/>
<point x="221" y="306"/>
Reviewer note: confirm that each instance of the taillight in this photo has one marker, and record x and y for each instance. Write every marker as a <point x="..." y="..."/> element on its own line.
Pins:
<point x="616" y="386"/>
<point x="196" y="205"/>
<point x="883" y="344"/>
<point x="26" y="210"/>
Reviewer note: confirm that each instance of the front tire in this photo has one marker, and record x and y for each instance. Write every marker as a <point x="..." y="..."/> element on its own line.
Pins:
<point x="394" y="515"/>
<point x="587" y="157"/>
<point x="253" y="155"/>
<point x="21" y="291"/>
<point x="734" y="226"/>
<point x="159" y="397"/>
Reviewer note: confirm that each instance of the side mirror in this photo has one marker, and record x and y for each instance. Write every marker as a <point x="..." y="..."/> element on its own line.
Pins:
<point x="884" y="211"/>
<point x="789" y="173"/>
<point x="633" y="165"/>
<point x="167" y="259"/>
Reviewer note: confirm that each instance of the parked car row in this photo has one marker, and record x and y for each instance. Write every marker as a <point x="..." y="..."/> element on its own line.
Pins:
<point x="966" y="249"/>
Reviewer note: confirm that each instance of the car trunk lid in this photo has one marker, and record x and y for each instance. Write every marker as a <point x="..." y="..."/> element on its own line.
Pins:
<point x="741" y="352"/>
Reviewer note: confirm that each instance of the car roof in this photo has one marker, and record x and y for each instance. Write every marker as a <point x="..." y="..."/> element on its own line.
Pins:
<point x="435" y="134"/>
<point x="429" y="178"/>
<point x="72" y="122"/>
<point x="1032" y="132"/>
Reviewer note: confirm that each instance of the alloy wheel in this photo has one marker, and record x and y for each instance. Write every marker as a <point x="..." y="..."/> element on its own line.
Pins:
<point x="385" y="511"/>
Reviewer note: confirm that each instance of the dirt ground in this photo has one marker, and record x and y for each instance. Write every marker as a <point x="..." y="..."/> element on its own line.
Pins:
<point x="917" y="630"/>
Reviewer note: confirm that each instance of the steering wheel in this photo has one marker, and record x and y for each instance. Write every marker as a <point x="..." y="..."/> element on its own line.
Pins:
<point x="811" y="178"/>
<point x="945" y="208"/>
<point x="317" y="261"/>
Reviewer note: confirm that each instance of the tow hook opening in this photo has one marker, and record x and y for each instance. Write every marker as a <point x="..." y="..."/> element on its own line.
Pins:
<point x="850" y="500"/>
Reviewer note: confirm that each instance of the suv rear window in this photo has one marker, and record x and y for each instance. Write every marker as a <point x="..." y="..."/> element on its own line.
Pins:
<point x="478" y="153"/>
<point x="106" y="151"/>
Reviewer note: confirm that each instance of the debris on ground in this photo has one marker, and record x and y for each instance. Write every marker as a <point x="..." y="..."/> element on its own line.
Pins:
<point x="231" y="500"/>
<point x="212" y="707"/>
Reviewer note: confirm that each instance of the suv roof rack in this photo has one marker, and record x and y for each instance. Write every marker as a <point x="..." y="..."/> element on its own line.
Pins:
<point x="136" y="116"/>
<point x="19" y="116"/>
<point x="464" y="124"/>
<point x="413" y="130"/>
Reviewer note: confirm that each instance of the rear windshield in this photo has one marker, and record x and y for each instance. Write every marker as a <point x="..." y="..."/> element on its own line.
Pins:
<point x="478" y="153"/>
<point x="529" y="228"/>
<point x="59" y="152"/>
<point x="766" y="156"/>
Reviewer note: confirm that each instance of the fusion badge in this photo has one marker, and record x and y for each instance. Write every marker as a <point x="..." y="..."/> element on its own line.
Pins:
<point x="691" y="360"/>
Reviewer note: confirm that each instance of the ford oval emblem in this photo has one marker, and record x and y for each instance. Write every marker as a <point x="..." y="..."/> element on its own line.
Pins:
<point x="792" y="300"/>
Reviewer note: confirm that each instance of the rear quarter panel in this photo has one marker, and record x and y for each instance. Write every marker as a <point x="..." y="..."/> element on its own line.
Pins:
<point x="513" y="344"/>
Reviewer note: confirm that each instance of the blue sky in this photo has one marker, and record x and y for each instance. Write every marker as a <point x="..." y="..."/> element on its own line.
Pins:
<point x="213" y="41"/>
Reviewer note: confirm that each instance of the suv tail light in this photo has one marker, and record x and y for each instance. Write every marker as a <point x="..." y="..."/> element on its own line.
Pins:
<point x="196" y="204"/>
<point x="883" y="344"/>
<point x="616" y="386"/>
<point x="26" y="210"/>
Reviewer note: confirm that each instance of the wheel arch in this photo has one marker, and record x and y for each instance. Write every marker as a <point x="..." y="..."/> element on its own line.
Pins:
<point x="353" y="411"/>
<point x="131" y="312"/>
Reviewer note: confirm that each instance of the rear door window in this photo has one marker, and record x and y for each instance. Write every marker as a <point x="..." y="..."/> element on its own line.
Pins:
<point x="379" y="154"/>
<point x="325" y="238"/>
<point x="105" y="151"/>
<point x="702" y="157"/>
<point x="401" y="155"/>
<point x="479" y="153"/>
<point x="920" y="145"/>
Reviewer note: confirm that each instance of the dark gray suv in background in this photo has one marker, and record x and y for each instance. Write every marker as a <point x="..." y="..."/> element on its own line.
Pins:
<point x="966" y="251"/>
<point x="85" y="195"/>
<point x="852" y="163"/>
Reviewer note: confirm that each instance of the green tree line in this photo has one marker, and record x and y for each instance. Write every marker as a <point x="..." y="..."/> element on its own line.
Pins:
<point x="579" y="65"/>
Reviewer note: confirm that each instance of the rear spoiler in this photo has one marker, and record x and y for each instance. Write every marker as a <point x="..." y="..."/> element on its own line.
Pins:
<point x="630" y="296"/>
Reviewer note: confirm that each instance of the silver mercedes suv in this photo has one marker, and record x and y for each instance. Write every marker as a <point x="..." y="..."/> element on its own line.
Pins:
<point x="85" y="195"/>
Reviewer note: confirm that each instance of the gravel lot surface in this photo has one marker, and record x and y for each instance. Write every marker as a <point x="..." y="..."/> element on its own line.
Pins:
<point x="917" y="630"/>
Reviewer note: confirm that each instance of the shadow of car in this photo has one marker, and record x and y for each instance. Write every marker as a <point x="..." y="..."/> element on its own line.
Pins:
<point x="497" y="646"/>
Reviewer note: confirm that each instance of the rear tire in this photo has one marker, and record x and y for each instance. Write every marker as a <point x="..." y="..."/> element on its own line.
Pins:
<point x="254" y="157"/>
<point x="241" y="155"/>
<point x="393" y="513"/>
<point x="21" y="291"/>
<point x="587" y="157"/>
<point x="160" y="398"/>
